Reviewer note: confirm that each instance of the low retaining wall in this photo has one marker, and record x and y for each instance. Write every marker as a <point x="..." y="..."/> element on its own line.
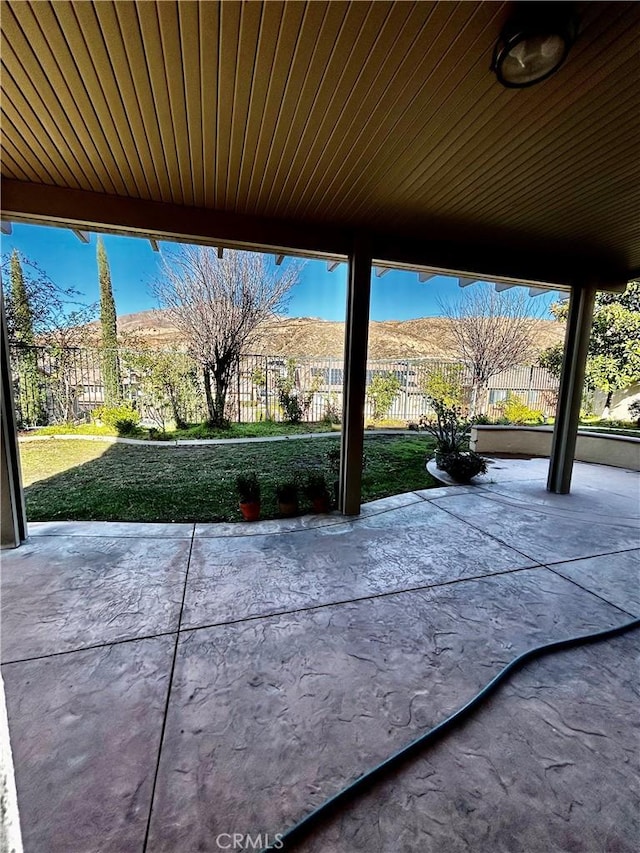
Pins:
<point x="621" y="451"/>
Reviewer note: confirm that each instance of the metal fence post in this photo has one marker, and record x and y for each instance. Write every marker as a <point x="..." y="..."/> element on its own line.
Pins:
<point x="266" y="387"/>
<point x="406" y="390"/>
<point x="238" y="390"/>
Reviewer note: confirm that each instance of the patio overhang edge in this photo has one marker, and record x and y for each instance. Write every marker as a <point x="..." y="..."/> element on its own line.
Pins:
<point x="41" y="204"/>
<point x="81" y="209"/>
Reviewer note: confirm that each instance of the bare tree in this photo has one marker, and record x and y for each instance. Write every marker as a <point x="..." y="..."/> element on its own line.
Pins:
<point x="492" y="332"/>
<point x="58" y="315"/>
<point x="221" y="306"/>
<point x="59" y="325"/>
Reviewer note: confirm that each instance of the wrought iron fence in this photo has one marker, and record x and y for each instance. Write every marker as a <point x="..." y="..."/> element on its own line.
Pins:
<point x="56" y="385"/>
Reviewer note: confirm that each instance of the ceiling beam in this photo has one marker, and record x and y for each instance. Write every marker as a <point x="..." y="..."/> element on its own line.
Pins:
<point x="154" y="244"/>
<point x="279" y="259"/>
<point x="114" y="214"/>
<point x="380" y="271"/>
<point x="83" y="236"/>
<point x="5" y="226"/>
<point x="333" y="265"/>
<point x="80" y="209"/>
<point x="426" y="276"/>
<point x="220" y="252"/>
<point x="511" y="259"/>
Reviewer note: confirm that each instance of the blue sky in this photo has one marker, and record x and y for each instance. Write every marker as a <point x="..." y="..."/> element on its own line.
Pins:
<point x="134" y="265"/>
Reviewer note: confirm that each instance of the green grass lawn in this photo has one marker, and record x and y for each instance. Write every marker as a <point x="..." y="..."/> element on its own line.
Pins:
<point x="92" y="481"/>
<point x="261" y="429"/>
<point x="72" y="429"/>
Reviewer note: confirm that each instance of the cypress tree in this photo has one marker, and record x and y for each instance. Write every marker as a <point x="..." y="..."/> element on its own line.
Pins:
<point x="23" y="318"/>
<point x="108" y="324"/>
<point x="31" y="409"/>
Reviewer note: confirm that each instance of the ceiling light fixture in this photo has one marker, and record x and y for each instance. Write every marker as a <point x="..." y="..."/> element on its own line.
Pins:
<point x="534" y="43"/>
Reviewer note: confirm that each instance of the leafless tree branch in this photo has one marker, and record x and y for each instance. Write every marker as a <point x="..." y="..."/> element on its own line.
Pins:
<point x="221" y="306"/>
<point x="492" y="331"/>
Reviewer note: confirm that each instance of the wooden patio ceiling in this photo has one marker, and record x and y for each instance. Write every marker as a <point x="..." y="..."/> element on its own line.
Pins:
<point x="333" y="116"/>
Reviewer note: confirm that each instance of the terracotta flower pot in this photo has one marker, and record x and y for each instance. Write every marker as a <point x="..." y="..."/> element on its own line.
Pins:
<point x="287" y="509"/>
<point x="250" y="510"/>
<point x="321" y="504"/>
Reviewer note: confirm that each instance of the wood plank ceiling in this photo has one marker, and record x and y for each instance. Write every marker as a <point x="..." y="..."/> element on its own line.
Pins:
<point x="381" y="115"/>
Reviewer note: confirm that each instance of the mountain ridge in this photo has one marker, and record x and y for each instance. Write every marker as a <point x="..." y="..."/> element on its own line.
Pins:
<point x="424" y="337"/>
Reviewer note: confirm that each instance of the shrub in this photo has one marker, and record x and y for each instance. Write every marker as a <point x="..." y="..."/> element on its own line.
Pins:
<point x="259" y="378"/>
<point x="287" y="493"/>
<point x="293" y="402"/>
<point x="294" y="405"/>
<point x="444" y="384"/>
<point x="316" y="485"/>
<point x="634" y="411"/>
<point x="126" y="426"/>
<point x="480" y="420"/>
<point x="516" y="411"/>
<point x="381" y="393"/>
<point x="332" y="414"/>
<point x="449" y="428"/>
<point x="123" y="418"/>
<point x="248" y="488"/>
<point x="463" y="466"/>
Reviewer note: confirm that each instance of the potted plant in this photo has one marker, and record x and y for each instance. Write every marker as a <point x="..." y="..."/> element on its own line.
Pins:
<point x="317" y="491"/>
<point x="463" y="466"/>
<point x="287" y="494"/>
<point x="449" y="428"/>
<point x="248" y="489"/>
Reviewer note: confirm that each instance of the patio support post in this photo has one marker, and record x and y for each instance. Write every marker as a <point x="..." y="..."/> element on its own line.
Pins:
<point x="13" y="519"/>
<point x="355" y="375"/>
<point x="565" y="431"/>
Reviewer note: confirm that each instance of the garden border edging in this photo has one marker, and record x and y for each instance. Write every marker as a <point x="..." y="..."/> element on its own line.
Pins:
<point x="202" y="442"/>
<point x="619" y="451"/>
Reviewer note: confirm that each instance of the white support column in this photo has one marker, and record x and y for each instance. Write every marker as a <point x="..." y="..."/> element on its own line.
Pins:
<point x="355" y="375"/>
<point x="13" y="526"/>
<point x="565" y="431"/>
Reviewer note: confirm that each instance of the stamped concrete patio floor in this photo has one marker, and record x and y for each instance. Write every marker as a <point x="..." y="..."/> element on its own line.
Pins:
<point x="168" y="686"/>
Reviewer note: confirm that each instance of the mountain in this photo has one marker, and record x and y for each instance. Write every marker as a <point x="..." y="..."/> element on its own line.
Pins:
<point x="426" y="337"/>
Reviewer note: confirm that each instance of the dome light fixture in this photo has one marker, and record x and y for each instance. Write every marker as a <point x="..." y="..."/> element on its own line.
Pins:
<point x="534" y="43"/>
